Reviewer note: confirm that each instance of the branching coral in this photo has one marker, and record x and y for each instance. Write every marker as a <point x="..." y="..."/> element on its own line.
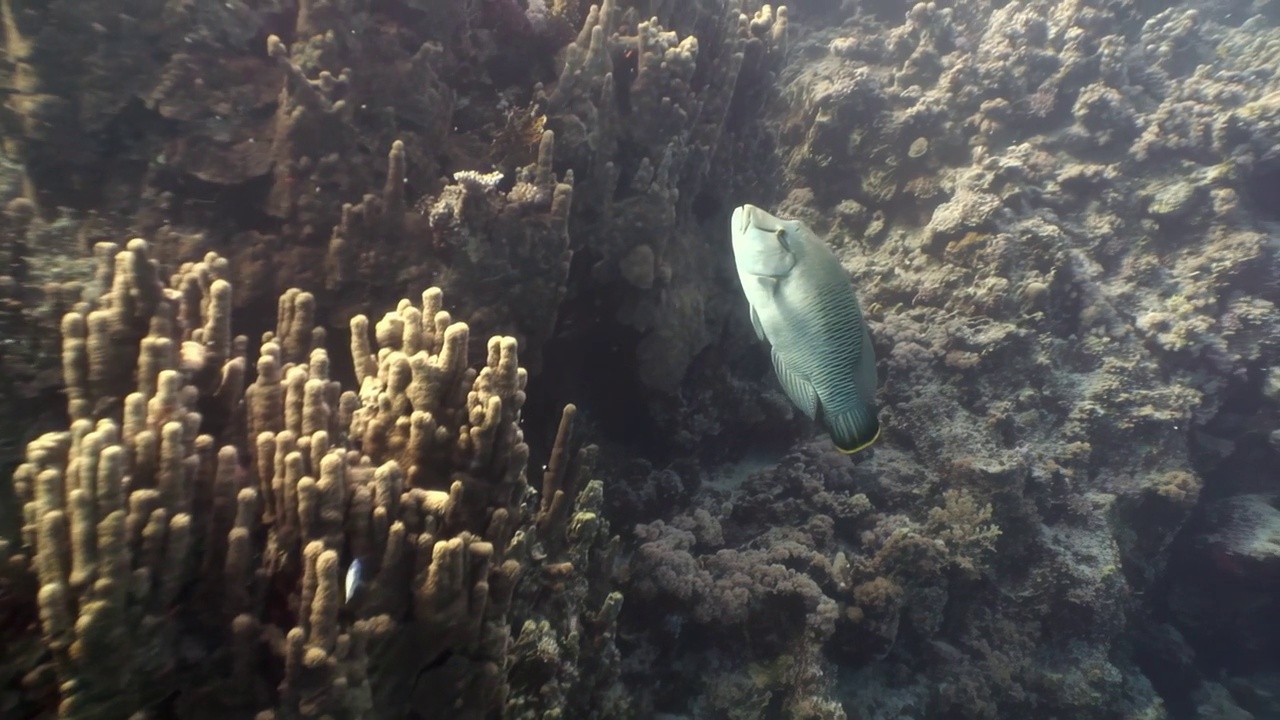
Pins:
<point x="184" y="507"/>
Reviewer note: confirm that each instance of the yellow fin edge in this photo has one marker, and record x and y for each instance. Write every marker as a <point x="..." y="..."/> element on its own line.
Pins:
<point x="861" y="447"/>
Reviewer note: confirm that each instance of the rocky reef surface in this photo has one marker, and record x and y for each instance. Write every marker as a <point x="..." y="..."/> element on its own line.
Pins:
<point x="1060" y="217"/>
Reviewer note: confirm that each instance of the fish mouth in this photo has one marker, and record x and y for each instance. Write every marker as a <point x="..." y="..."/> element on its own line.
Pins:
<point x="750" y="217"/>
<point x="755" y="219"/>
<point x="742" y="218"/>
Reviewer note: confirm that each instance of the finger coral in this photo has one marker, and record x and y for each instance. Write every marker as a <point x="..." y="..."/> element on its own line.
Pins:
<point x="186" y="538"/>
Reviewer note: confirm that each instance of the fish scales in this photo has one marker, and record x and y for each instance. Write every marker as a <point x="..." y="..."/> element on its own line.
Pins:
<point x="817" y="330"/>
<point x="803" y="304"/>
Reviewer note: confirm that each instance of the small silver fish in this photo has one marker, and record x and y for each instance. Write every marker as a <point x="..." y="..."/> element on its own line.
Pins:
<point x="355" y="576"/>
<point x="803" y="305"/>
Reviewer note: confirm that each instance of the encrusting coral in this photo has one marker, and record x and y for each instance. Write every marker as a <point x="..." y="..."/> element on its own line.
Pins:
<point x="189" y="533"/>
<point x="773" y="582"/>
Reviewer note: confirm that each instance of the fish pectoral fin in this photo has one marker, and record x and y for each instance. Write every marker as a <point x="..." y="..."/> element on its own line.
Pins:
<point x="755" y="323"/>
<point x="769" y="284"/>
<point x="796" y="386"/>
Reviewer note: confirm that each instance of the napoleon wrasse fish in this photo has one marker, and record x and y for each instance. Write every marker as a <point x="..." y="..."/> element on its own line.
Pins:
<point x="803" y="305"/>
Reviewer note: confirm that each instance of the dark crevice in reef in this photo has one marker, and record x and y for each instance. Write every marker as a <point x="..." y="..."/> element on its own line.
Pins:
<point x="1213" y="613"/>
<point x="1241" y="419"/>
<point x="822" y="11"/>
<point x="590" y="361"/>
<point x="230" y="209"/>
<point x="708" y="207"/>
<point x="887" y="11"/>
<point x="593" y="361"/>
<point x="76" y="170"/>
<point x="1263" y="185"/>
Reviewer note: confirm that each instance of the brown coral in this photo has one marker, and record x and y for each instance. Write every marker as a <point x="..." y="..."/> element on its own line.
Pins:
<point x="154" y="520"/>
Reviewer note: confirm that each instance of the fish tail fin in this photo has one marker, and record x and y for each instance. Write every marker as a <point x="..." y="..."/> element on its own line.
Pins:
<point x="854" y="431"/>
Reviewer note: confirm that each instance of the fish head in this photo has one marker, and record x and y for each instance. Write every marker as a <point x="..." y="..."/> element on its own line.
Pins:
<point x="761" y="242"/>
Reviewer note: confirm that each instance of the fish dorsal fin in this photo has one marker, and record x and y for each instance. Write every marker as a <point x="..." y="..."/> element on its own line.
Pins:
<point x="796" y="386"/>
<point x="755" y="323"/>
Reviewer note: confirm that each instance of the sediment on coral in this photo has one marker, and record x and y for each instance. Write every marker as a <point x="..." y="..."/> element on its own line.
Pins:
<point x="185" y="541"/>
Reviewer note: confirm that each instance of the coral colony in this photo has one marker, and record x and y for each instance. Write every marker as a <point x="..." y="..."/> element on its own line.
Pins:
<point x="373" y="361"/>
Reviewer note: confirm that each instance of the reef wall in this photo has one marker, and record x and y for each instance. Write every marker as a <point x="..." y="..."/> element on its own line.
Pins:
<point x="1059" y="217"/>
<point x="1060" y="220"/>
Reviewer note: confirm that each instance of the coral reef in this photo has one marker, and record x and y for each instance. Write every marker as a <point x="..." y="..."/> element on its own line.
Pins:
<point x="1065" y="288"/>
<point x="1060" y="219"/>
<point x="660" y="126"/>
<point x="1060" y="235"/>
<point x="184" y="541"/>
<point x="796" y="575"/>
<point x="262" y="132"/>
